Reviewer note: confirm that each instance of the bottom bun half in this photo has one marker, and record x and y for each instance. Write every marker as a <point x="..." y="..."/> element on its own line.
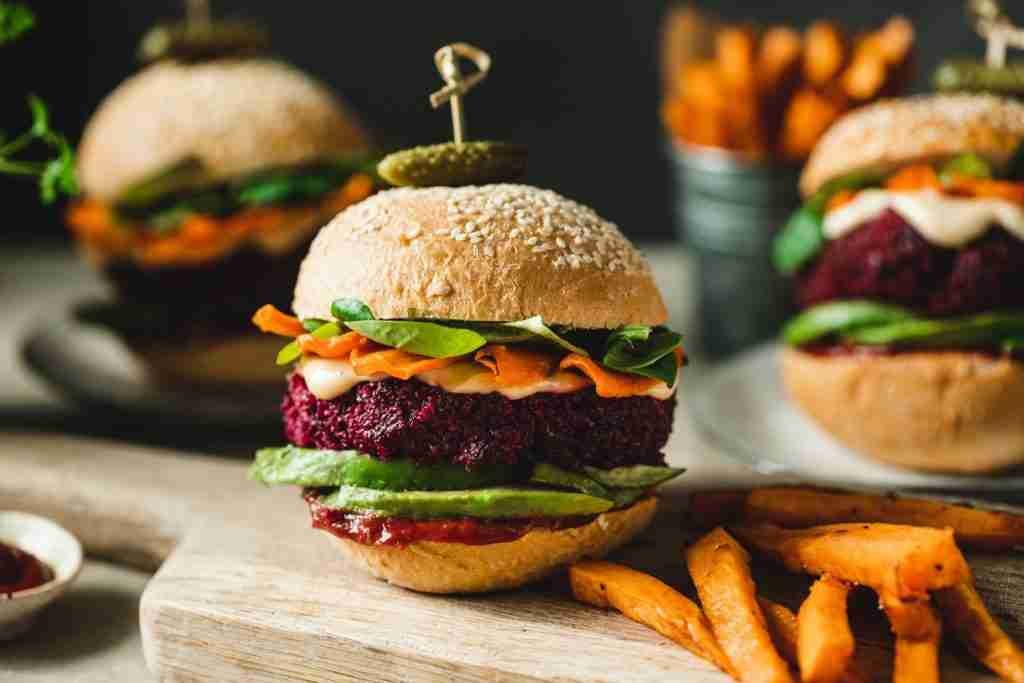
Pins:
<point x="243" y="360"/>
<point x="942" y="411"/>
<point x="432" y="567"/>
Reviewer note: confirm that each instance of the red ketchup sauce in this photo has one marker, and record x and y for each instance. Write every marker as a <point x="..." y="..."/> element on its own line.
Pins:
<point x="401" y="531"/>
<point x="20" y="570"/>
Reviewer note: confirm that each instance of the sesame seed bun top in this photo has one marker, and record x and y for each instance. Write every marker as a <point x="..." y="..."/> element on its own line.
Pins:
<point x="236" y="116"/>
<point x="488" y="253"/>
<point x="894" y="133"/>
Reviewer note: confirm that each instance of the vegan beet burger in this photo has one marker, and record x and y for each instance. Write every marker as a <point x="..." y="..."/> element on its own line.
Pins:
<point x="204" y="183"/>
<point x="909" y="259"/>
<point x="483" y="386"/>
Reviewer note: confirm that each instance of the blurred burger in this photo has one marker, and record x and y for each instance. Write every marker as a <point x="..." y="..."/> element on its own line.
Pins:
<point x="205" y="176"/>
<point x="485" y="391"/>
<point x="909" y="259"/>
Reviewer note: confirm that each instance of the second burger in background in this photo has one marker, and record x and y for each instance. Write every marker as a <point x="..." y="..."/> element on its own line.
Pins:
<point x="205" y="177"/>
<point x="909" y="258"/>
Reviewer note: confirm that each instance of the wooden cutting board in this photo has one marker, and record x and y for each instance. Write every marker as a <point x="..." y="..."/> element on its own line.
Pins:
<point x="247" y="591"/>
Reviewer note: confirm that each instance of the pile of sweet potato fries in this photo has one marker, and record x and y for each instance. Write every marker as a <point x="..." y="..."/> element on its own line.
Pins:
<point x="771" y="93"/>
<point x="905" y="550"/>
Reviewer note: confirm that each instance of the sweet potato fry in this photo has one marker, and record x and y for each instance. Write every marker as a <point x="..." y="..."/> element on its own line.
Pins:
<point x="824" y="52"/>
<point x="803" y="507"/>
<point x="783" y="627"/>
<point x="913" y="619"/>
<point x="734" y="52"/>
<point x="778" y="58"/>
<point x="865" y="77"/>
<point x="647" y="600"/>
<point x="893" y="559"/>
<point x="806" y="119"/>
<point x="702" y="86"/>
<point x="720" y="570"/>
<point x="917" y="660"/>
<point x="966" y="616"/>
<point x="825" y="645"/>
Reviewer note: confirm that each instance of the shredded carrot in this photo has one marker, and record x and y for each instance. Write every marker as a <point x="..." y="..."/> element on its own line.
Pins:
<point x="987" y="188"/>
<point x="372" y="359"/>
<point x="512" y="367"/>
<point x="332" y="347"/>
<point x="916" y="177"/>
<point x="273" y="321"/>
<point x="608" y="383"/>
<point x="839" y="200"/>
<point x="201" y="237"/>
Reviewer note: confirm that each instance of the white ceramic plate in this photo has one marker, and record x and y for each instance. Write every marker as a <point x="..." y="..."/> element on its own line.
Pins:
<point x="742" y="408"/>
<point x="94" y="368"/>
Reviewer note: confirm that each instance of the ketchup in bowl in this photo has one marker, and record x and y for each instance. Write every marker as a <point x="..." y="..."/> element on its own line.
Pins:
<point x="20" y="570"/>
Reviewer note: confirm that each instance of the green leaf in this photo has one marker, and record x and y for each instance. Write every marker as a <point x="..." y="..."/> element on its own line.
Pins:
<point x="968" y="164"/>
<point x="799" y="241"/>
<point x="856" y="180"/>
<point x="348" y="310"/>
<point x="551" y="475"/>
<point x="312" y="324"/>
<point x="187" y="174"/>
<point x="536" y="327"/>
<point x="837" y="317"/>
<point x="15" y="19"/>
<point x="40" y="116"/>
<point x="633" y="476"/>
<point x="1013" y="344"/>
<point x="427" y="339"/>
<point x="291" y="352"/>
<point x="644" y="351"/>
<point x="990" y="329"/>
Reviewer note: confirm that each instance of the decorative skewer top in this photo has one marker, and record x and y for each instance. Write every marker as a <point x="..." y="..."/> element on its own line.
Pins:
<point x="457" y="85"/>
<point x="996" y="28"/>
<point x="461" y="162"/>
<point x="199" y="37"/>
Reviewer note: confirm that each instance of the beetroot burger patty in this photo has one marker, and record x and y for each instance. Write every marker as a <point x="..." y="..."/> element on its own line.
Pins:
<point x="887" y="260"/>
<point x="409" y="419"/>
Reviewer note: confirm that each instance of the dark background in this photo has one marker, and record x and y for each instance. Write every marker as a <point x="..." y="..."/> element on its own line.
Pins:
<point x="577" y="81"/>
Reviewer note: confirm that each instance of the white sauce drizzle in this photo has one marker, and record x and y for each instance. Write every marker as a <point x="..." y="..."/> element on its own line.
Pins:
<point x="327" y="379"/>
<point x="944" y="221"/>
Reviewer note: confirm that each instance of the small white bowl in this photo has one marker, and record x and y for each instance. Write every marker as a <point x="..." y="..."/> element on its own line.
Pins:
<point x="52" y="544"/>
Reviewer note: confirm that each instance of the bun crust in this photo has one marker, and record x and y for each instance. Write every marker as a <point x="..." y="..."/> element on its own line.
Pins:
<point x="894" y="133"/>
<point x="488" y="253"/>
<point x="431" y="567"/>
<point x="235" y="116"/>
<point x="932" y="411"/>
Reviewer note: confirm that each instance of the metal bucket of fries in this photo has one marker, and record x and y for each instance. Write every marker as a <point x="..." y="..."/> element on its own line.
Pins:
<point x="727" y="211"/>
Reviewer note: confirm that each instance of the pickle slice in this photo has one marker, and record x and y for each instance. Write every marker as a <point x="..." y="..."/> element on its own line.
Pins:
<point x="452" y="165"/>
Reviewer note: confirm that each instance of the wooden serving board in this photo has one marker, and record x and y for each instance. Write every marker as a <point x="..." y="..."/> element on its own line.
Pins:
<point x="245" y="590"/>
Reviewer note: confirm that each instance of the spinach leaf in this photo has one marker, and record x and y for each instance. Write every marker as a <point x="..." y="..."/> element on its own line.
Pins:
<point x="967" y="164"/>
<point x="348" y="310"/>
<point x="644" y="351"/>
<point x="536" y="326"/>
<point x="426" y="339"/>
<point x="839" y="316"/>
<point x="311" y="324"/>
<point x="799" y="241"/>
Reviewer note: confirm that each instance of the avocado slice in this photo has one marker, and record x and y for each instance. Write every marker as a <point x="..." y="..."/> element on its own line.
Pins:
<point x="487" y="503"/>
<point x="635" y="476"/>
<point x="840" y="316"/>
<point x="980" y="330"/>
<point x="556" y="476"/>
<point x="322" y="468"/>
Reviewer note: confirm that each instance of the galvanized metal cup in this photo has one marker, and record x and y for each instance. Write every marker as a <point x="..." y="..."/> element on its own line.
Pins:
<point x="727" y="210"/>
